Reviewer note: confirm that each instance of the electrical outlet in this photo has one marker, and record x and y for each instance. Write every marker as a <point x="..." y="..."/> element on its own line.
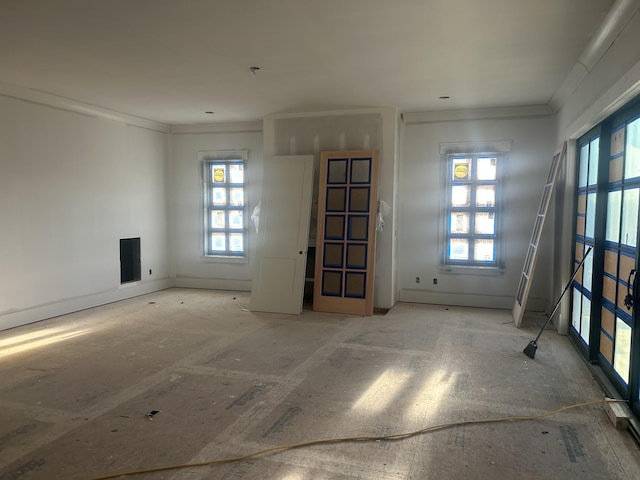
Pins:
<point x="417" y="279"/>
<point x="435" y="281"/>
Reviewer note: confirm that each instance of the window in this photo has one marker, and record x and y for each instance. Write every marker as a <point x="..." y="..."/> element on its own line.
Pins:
<point x="472" y="210"/>
<point x="225" y="218"/>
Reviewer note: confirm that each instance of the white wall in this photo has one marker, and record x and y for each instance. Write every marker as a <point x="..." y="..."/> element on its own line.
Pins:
<point x="189" y="266"/>
<point x="420" y="224"/>
<point x="72" y="185"/>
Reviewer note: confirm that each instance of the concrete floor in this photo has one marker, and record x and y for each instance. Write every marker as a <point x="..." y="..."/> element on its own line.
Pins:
<point x="75" y="392"/>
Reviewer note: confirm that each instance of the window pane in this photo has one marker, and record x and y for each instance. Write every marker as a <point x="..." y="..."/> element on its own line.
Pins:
<point x="461" y="169"/>
<point x="613" y="216"/>
<point x="235" y="219"/>
<point x="218" y="173"/>
<point x="575" y="314"/>
<point x="632" y="150"/>
<point x="486" y="196"/>
<point x="483" y="251"/>
<point x="218" y="242"/>
<point x="236" y="242"/>
<point x="622" y="349"/>
<point x="591" y="215"/>
<point x="629" y="217"/>
<point x="585" y="320"/>
<point x="593" y="161"/>
<point x="218" y="219"/>
<point x="236" y="197"/>
<point x="236" y="173"/>
<point x="219" y="196"/>
<point x="485" y="223"/>
<point x="461" y="196"/>
<point x="584" y="166"/>
<point x="486" y="168"/>
<point x="587" y="272"/>
<point x="459" y="222"/>
<point x="458" y="249"/>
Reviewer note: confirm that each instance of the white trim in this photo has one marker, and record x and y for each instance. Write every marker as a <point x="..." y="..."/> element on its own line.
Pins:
<point x="490" y="146"/>
<point x="411" y="118"/>
<point x="63" y="103"/>
<point x="230" y="127"/>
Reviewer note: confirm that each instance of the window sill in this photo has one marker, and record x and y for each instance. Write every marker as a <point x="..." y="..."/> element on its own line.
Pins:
<point x="223" y="259"/>
<point x="470" y="270"/>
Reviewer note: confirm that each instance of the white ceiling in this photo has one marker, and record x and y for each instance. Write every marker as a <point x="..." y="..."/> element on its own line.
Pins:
<point x="172" y="60"/>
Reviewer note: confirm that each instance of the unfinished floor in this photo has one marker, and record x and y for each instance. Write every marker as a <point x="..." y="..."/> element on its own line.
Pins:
<point x="76" y="393"/>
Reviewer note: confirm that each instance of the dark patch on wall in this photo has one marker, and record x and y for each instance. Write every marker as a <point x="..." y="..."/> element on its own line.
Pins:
<point x="286" y="420"/>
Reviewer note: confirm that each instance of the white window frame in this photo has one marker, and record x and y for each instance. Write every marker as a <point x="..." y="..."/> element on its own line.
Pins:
<point x="224" y="158"/>
<point x="449" y="151"/>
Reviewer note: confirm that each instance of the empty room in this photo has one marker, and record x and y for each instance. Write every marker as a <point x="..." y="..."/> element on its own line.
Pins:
<point x="318" y="240"/>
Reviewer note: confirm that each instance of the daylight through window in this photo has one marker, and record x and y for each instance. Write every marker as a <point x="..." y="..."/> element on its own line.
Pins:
<point x="225" y="230"/>
<point x="472" y="226"/>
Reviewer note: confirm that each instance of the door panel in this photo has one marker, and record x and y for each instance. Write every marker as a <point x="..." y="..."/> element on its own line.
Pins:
<point x="283" y="235"/>
<point x="345" y="248"/>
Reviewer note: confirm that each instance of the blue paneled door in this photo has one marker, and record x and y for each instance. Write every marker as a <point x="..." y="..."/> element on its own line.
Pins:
<point x="605" y="298"/>
<point x="346" y="230"/>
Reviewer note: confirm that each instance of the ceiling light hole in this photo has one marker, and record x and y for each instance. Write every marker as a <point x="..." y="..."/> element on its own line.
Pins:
<point x="209" y="113"/>
<point x="444" y="97"/>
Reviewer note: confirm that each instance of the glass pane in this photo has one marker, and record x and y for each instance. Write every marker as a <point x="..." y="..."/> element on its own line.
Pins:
<point x="584" y="166"/>
<point x="575" y="314"/>
<point x="218" y="173"/>
<point x="218" y="219"/>
<point x="332" y="255"/>
<point x="337" y="171"/>
<point x="629" y="225"/>
<point x="613" y="216"/>
<point x="632" y="150"/>
<point x="236" y="242"/>
<point x="483" y="251"/>
<point x="236" y="173"/>
<point x="361" y="170"/>
<point x="593" y="161"/>
<point x="585" y="319"/>
<point x="486" y="196"/>
<point x="459" y="249"/>
<point x="356" y="256"/>
<point x="459" y="222"/>
<point x="236" y="197"/>
<point x="486" y="168"/>
<point x="333" y="226"/>
<point x="359" y="199"/>
<point x="591" y="215"/>
<point x="461" y="169"/>
<point x="622" y="349"/>
<point x="331" y="283"/>
<point x="336" y="199"/>
<point x="485" y="223"/>
<point x="461" y="196"/>
<point x="236" y="219"/>
<point x="358" y="228"/>
<point x="355" y="285"/>
<point x="587" y="272"/>
<point x="219" y="242"/>
<point x="219" y="196"/>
